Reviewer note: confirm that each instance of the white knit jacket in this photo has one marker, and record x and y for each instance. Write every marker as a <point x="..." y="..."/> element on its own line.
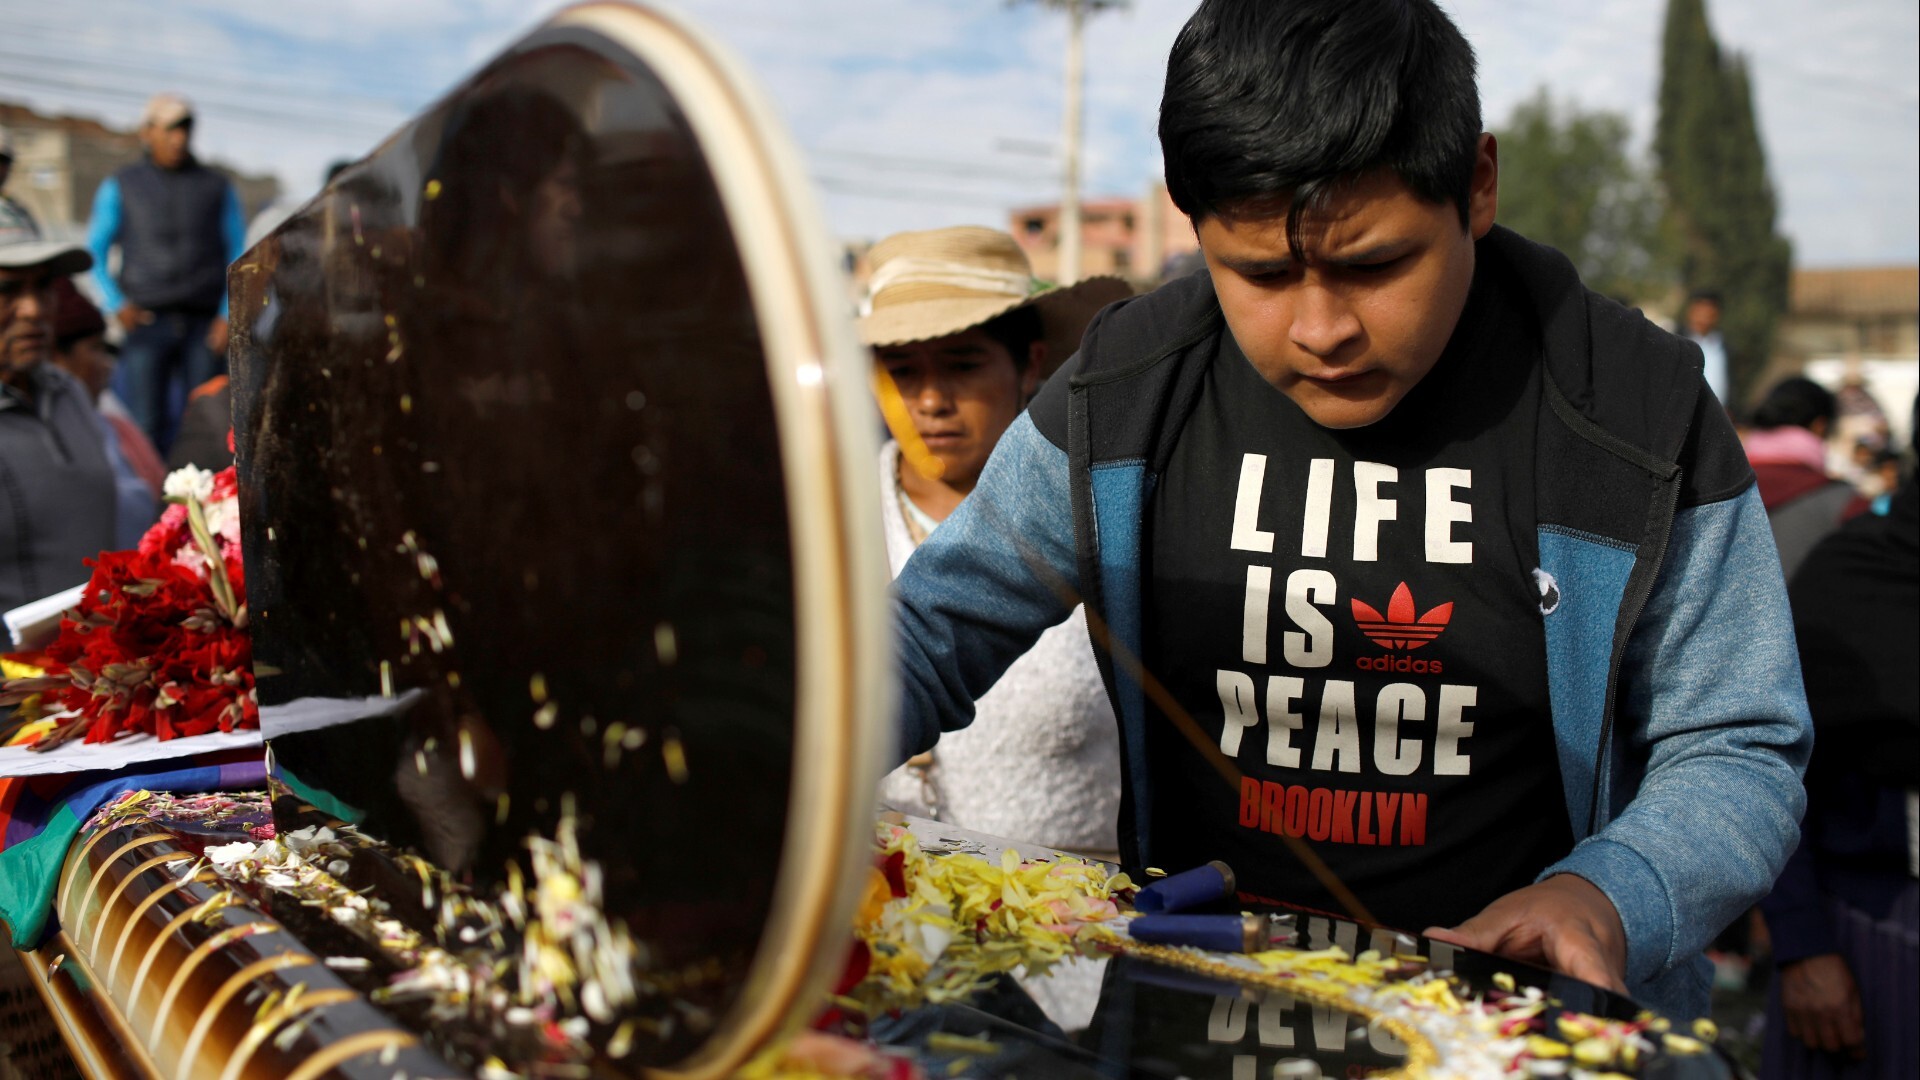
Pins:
<point x="1041" y="762"/>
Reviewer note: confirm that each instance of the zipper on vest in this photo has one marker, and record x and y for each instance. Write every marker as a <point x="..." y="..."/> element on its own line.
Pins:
<point x="1632" y="605"/>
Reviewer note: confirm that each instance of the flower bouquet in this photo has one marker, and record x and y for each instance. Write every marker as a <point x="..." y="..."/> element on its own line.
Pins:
<point x="158" y="642"/>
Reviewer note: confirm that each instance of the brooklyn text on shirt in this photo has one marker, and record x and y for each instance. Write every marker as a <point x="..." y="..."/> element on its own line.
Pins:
<point x="1416" y="729"/>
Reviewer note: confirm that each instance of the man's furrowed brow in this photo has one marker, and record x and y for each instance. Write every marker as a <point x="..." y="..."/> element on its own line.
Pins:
<point x="1384" y="251"/>
<point x="1257" y="267"/>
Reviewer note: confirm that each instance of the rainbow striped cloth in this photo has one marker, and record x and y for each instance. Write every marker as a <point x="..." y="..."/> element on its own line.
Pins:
<point x="40" y="816"/>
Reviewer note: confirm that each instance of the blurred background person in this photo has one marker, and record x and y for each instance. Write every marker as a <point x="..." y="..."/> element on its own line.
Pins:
<point x="57" y="501"/>
<point x="16" y="222"/>
<point x="276" y="213"/>
<point x="1700" y="324"/>
<point x="958" y="323"/>
<point x="204" y="424"/>
<point x="1844" y="916"/>
<point x="1787" y="447"/>
<point x="178" y="225"/>
<point x="1879" y="479"/>
<point x="80" y="349"/>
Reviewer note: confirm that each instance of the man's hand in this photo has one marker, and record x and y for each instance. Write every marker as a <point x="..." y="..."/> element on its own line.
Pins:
<point x="1822" y="1003"/>
<point x="217" y="336"/>
<point x="132" y="315"/>
<point x="1563" y="923"/>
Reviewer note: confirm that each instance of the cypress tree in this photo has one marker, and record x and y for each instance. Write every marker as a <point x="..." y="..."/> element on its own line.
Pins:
<point x="1721" y="200"/>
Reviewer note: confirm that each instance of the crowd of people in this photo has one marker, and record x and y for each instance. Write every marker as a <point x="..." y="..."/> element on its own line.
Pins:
<point x="88" y="429"/>
<point x="1462" y="573"/>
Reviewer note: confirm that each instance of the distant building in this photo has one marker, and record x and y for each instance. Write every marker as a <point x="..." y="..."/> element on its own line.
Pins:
<point x="1133" y="238"/>
<point x="1852" y="311"/>
<point x="1854" y="324"/>
<point x="60" y="161"/>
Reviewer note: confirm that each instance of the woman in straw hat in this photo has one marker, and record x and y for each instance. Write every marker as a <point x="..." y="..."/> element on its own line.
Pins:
<point x="962" y="335"/>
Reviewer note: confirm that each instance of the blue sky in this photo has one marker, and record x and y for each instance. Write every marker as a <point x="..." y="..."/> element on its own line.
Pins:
<point x="916" y="113"/>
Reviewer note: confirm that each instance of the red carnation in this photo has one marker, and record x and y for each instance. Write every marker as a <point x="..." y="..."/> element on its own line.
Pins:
<point x="159" y="641"/>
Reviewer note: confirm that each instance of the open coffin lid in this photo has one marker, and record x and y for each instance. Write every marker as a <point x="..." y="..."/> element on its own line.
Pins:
<point x="554" y="455"/>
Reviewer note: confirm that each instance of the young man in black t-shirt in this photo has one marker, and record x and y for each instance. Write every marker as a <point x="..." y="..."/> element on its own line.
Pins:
<point x="1399" y="544"/>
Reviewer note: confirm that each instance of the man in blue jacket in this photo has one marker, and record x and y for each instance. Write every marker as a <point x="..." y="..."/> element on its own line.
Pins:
<point x="178" y="225"/>
<point x="1408" y="559"/>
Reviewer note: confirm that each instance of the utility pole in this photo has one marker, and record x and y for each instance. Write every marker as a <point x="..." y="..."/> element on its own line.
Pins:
<point x="1071" y="125"/>
<point x="1070" y="144"/>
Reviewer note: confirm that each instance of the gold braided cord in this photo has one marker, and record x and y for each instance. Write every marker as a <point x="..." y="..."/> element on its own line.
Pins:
<point x="1422" y="1054"/>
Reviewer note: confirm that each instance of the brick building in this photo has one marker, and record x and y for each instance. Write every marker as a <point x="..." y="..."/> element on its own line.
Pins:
<point x="1132" y="238"/>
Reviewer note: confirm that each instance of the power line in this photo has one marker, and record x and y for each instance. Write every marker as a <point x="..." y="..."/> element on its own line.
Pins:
<point x="157" y="74"/>
<point x="309" y="107"/>
<point x="840" y="186"/>
<point x="1770" y="66"/>
<point x="935" y="166"/>
<point x="238" y="114"/>
<point x="365" y="73"/>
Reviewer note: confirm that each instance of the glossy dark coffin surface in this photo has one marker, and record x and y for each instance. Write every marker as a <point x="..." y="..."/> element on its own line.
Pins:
<point x="510" y="473"/>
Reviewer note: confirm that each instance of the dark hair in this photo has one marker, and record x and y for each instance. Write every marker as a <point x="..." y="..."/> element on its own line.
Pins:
<point x="1283" y="99"/>
<point x="74" y="316"/>
<point x="1710" y="296"/>
<point x="1794" y="402"/>
<point x="1017" y="330"/>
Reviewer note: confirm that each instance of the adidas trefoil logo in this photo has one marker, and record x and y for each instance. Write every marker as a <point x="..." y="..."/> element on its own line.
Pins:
<point x="1399" y="629"/>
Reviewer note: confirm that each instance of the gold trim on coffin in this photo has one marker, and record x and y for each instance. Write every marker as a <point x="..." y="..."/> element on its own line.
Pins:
<point x="265" y="1026"/>
<point x="191" y="964"/>
<point x="71" y="915"/>
<point x="210" y="1012"/>
<point x="139" y="914"/>
<point x="165" y="858"/>
<point x="341" y="1051"/>
<point x="76" y="1005"/>
<point x="75" y="861"/>
<point x="159" y="942"/>
<point x="818" y="379"/>
<point x="99" y="1023"/>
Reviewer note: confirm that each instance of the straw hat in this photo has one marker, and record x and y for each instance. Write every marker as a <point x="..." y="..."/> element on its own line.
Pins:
<point x="926" y="285"/>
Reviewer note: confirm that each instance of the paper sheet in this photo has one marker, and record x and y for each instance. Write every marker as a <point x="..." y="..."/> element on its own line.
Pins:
<point x="77" y="756"/>
<point x="34" y="625"/>
<point x="312" y="714"/>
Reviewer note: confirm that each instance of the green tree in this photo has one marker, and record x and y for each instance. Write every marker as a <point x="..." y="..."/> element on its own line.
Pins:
<point x="1721" y="202"/>
<point x="1569" y="180"/>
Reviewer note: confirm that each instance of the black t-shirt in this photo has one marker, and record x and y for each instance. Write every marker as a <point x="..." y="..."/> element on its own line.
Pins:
<point x="1352" y="618"/>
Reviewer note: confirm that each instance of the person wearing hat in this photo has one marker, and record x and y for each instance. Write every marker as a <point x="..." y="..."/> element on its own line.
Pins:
<point x="961" y="329"/>
<point x="178" y="224"/>
<point x="56" y="483"/>
<point x="80" y="349"/>
<point x="16" y="222"/>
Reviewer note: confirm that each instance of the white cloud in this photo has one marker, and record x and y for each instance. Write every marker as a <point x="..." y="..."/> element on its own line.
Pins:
<point x="290" y="85"/>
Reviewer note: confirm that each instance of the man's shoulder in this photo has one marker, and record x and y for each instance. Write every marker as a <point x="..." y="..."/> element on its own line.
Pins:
<point x="1132" y="340"/>
<point x="61" y="400"/>
<point x="1142" y="329"/>
<point x="55" y="383"/>
<point x="1615" y="370"/>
